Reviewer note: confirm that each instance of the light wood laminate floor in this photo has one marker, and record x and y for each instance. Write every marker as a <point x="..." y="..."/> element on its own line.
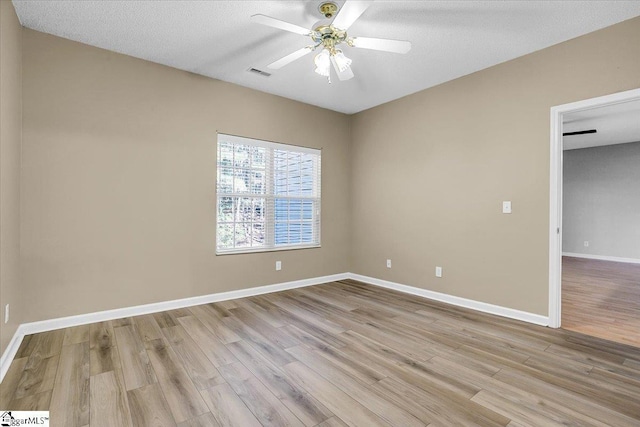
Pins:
<point x="601" y="298"/>
<point x="331" y="355"/>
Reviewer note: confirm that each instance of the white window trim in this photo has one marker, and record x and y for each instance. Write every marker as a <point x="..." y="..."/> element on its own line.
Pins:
<point x="269" y="215"/>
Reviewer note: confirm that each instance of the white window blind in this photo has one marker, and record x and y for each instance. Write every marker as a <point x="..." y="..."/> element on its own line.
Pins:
<point x="268" y="196"/>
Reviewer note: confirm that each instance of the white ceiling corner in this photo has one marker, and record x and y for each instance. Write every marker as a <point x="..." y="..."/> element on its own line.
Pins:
<point x="216" y="39"/>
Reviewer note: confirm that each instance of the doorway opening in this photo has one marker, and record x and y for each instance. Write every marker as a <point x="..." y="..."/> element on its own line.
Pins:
<point x="570" y="119"/>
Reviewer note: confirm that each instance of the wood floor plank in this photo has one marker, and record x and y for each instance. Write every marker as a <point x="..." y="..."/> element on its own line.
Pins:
<point x="104" y="357"/>
<point x="182" y="396"/>
<point x="310" y="340"/>
<point x="307" y="408"/>
<point x="414" y="370"/>
<point x="346" y="364"/>
<point x="226" y="304"/>
<point x="255" y="309"/>
<point x="264" y="405"/>
<point x="332" y="422"/>
<point x="309" y="326"/>
<point x="136" y="367"/>
<point x="600" y="298"/>
<point x="147" y="327"/>
<point x="320" y="293"/>
<point x="38" y="376"/>
<point x="10" y="381"/>
<point x="76" y="335"/>
<point x="518" y="413"/>
<point x="592" y="408"/>
<point x="205" y="420"/>
<point x="267" y="409"/>
<point x="125" y="321"/>
<point x="278" y="336"/>
<point x="26" y="346"/>
<point x="338" y="402"/>
<point x="149" y="407"/>
<point x="633" y="364"/>
<point x="616" y="366"/>
<point x="355" y="389"/>
<point x="166" y="319"/>
<point x="109" y="402"/>
<point x="227" y="408"/>
<point x="533" y="406"/>
<point x="269" y="308"/>
<point x="260" y="342"/>
<point x="212" y="321"/>
<point x="210" y="345"/>
<point x="33" y="402"/>
<point x="438" y="408"/>
<point x="46" y="344"/>
<point x="409" y="346"/>
<point x="101" y="347"/>
<point x="70" y="398"/>
<point x="305" y="312"/>
<point x="201" y="370"/>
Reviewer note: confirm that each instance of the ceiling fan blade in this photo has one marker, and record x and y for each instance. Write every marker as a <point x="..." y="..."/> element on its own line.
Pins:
<point x="282" y="25"/>
<point x="290" y="58"/>
<point x="350" y="11"/>
<point x="580" y="132"/>
<point x="342" y="75"/>
<point x="387" y="45"/>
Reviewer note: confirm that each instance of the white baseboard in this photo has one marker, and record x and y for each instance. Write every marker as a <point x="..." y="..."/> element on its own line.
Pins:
<point x="101" y="316"/>
<point x="602" y="257"/>
<point x="10" y="352"/>
<point x="484" y="307"/>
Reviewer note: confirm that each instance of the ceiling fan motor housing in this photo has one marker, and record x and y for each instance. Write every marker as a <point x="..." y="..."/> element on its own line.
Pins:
<point x="329" y="36"/>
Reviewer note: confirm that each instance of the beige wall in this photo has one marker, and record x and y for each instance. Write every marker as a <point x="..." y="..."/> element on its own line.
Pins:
<point x="10" y="142"/>
<point x="430" y="171"/>
<point x="119" y="180"/>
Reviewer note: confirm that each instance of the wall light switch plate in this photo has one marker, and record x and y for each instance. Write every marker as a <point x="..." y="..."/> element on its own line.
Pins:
<point x="278" y="265"/>
<point x="586" y="243"/>
<point x="506" y="207"/>
<point x="6" y="313"/>
<point x="438" y="271"/>
<point x="388" y="263"/>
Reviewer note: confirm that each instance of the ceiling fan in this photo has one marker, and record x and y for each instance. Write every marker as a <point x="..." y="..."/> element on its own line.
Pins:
<point x="580" y="132"/>
<point x="329" y="36"/>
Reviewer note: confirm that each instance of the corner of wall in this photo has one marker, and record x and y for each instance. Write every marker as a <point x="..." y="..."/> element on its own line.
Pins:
<point x="10" y="159"/>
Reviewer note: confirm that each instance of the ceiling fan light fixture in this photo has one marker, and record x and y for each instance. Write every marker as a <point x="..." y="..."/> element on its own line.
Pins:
<point x="341" y="60"/>
<point x="323" y="63"/>
<point x="328" y="35"/>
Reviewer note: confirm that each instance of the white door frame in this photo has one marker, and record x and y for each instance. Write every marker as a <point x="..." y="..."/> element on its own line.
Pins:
<point x="555" y="191"/>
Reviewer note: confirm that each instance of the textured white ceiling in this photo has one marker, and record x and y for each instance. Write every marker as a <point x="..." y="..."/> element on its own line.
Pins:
<point x="616" y="124"/>
<point x="216" y="39"/>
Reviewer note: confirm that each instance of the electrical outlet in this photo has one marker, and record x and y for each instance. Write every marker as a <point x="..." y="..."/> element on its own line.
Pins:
<point x="6" y="313"/>
<point x="438" y="271"/>
<point x="586" y="243"/>
<point x="388" y="263"/>
<point x="278" y="265"/>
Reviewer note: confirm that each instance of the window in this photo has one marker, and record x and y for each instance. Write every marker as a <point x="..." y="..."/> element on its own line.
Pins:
<point x="268" y="196"/>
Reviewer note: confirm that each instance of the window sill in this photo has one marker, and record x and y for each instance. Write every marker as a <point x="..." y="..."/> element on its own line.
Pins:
<point x="256" y="251"/>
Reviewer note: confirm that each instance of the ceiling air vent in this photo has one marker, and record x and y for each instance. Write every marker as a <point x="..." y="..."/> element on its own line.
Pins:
<point x="256" y="71"/>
